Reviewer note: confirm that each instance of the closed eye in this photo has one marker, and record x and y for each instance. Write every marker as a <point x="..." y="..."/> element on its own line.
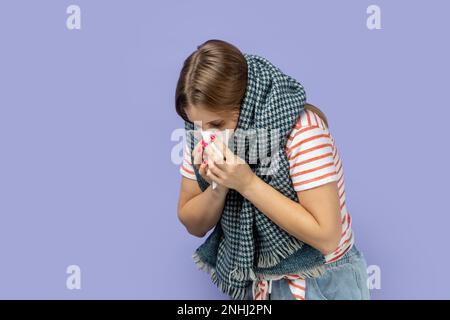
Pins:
<point x="216" y="124"/>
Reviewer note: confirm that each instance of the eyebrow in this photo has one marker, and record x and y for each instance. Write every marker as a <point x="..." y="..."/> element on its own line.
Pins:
<point x="217" y="120"/>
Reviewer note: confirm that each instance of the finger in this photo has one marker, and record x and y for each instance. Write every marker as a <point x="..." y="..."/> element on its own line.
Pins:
<point x="215" y="169"/>
<point x="218" y="162"/>
<point x="222" y="165"/>
<point x="212" y="176"/>
<point x="213" y="153"/>
<point x="202" y="169"/>
<point x="198" y="154"/>
<point x="231" y="159"/>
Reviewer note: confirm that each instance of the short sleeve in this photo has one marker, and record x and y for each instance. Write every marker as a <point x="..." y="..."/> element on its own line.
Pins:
<point x="311" y="154"/>
<point x="186" y="168"/>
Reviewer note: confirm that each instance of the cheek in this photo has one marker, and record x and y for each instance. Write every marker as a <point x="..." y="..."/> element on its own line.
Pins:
<point x="231" y="124"/>
<point x="235" y="120"/>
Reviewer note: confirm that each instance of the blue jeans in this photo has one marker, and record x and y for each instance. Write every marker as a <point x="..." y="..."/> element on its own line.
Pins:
<point x="344" y="279"/>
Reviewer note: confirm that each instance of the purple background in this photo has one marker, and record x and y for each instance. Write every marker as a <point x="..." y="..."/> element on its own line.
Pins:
<point x="86" y="117"/>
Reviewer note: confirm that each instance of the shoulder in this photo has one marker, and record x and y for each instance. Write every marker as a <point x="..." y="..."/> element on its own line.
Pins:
<point x="308" y="118"/>
<point x="311" y="152"/>
<point x="308" y="125"/>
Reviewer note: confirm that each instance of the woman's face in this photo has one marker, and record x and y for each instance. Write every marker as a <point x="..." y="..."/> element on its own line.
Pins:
<point x="212" y="120"/>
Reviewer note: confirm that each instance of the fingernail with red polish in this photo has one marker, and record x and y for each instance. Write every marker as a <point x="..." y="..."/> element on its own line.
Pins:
<point x="205" y="162"/>
<point x="212" y="137"/>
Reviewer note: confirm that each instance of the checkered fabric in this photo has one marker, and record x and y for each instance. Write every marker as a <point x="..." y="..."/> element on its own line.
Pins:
<point x="245" y="239"/>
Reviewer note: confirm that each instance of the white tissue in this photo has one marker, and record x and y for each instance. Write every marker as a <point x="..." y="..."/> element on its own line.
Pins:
<point x="206" y="137"/>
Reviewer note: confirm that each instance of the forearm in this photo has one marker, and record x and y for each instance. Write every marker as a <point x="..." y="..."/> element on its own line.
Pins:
<point x="289" y="215"/>
<point x="201" y="213"/>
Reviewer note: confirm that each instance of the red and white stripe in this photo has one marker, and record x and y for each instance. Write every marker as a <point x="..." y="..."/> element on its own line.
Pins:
<point x="186" y="168"/>
<point x="297" y="286"/>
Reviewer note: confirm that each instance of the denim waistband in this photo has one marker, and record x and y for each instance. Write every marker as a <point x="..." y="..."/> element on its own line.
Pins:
<point x="351" y="255"/>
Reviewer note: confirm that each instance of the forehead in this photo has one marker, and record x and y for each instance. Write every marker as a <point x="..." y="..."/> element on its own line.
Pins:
<point x="200" y="113"/>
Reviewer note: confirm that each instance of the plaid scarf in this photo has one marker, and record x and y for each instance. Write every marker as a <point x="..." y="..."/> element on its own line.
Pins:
<point x="245" y="240"/>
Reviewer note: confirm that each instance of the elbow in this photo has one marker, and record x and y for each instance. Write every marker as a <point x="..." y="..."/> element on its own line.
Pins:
<point x="198" y="234"/>
<point x="191" y="227"/>
<point x="195" y="232"/>
<point x="330" y="242"/>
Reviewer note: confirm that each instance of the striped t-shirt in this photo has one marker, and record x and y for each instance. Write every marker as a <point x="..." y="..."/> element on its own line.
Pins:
<point x="313" y="161"/>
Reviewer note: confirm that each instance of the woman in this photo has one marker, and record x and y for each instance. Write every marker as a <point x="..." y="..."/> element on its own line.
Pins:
<point x="282" y="233"/>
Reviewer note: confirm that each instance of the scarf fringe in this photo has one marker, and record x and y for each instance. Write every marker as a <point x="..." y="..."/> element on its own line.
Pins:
<point x="269" y="259"/>
<point x="248" y="273"/>
<point x="235" y="293"/>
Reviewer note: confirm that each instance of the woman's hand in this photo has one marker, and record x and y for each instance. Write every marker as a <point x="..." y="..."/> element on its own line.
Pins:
<point x="231" y="172"/>
<point x="199" y="162"/>
<point x="202" y="166"/>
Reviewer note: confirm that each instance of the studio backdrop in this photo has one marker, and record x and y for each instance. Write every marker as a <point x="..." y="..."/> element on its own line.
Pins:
<point x="91" y="145"/>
